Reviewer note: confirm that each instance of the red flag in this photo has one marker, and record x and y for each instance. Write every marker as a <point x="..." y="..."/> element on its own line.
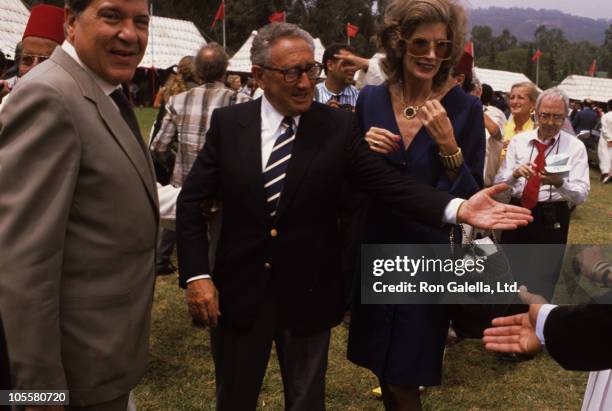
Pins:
<point x="592" y="69"/>
<point x="220" y="14"/>
<point x="536" y="55"/>
<point x="279" y="16"/>
<point x="351" y="30"/>
<point x="469" y="48"/>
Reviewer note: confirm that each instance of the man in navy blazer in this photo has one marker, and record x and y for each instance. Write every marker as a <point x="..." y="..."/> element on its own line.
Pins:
<point x="277" y="274"/>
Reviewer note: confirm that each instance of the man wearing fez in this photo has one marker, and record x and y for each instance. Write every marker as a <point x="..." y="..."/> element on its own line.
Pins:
<point x="44" y="31"/>
<point x="79" y="213"/>
<point x="278" y="165"/>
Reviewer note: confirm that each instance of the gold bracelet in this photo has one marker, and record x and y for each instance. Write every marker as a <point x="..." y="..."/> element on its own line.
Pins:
<point x="452" y="162"/>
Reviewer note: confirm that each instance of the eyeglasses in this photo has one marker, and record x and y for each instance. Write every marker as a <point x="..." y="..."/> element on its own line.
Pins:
<point x="420" y="47"/>
<point x="293" y="74"/>
<point x="556" y="118"/>
<point x="31" y="59"/>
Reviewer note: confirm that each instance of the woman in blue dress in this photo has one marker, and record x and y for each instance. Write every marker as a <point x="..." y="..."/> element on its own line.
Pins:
<point x="435" y="133"/>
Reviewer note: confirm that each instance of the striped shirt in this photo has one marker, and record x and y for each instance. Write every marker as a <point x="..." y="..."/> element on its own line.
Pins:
<point x="185" y="125"/>
<point x="347" y="96"/>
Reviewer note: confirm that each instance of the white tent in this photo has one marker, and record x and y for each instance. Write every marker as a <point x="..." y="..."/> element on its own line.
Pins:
<point x="583" y="87"/>
<point x="13" y="19"/>
<point x="169" y="41"/>
<point x="499" y="80"/>
<point x="241" y="61"/>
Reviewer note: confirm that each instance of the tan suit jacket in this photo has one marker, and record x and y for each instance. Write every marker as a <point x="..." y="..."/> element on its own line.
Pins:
<point x="78" y="225"/>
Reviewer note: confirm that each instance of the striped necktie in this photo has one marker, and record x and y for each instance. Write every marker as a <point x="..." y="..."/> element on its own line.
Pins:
<point x="274" y="173"/>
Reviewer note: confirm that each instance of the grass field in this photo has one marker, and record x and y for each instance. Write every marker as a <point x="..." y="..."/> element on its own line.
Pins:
<point x="181" y="372"/>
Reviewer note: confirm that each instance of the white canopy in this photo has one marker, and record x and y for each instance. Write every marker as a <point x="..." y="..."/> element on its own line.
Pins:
<point x="241" y="61"/>
<point x="499" y="80"/>
<point x="169" y="41"/>
<point x="13" y="19"/>
<point x="583" y="87"/>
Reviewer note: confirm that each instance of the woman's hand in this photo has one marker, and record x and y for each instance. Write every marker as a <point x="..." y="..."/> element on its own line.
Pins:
<point x="438" y="125"/>
<point x="382" y="141"/>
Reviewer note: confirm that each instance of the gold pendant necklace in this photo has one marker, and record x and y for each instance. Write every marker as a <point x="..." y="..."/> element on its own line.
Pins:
<point x="410" y="112"/>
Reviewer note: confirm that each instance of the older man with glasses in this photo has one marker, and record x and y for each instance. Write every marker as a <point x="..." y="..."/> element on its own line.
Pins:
<point x="549" y="195"/>
<point x="278" y="165"/>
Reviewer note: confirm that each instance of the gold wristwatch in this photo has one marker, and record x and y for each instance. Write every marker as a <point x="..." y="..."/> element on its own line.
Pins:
<point x="452" y="162"/>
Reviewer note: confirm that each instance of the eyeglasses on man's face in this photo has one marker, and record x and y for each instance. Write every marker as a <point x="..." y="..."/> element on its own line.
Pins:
<point x="28" y="60"/>
<point x="293" y="74"/>
<point x="555" y="118"/>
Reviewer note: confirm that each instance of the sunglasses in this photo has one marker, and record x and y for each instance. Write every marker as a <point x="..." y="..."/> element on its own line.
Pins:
<point x="31" y="59"/>
<point x="420" y="47"/>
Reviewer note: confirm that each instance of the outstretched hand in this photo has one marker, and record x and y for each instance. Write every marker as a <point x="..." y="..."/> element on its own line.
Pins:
<point x="482" y="211"/>
<point x="516" y="333"/>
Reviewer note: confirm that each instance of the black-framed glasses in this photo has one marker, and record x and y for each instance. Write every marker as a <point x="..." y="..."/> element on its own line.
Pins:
<point x="31" y="59"/>
<point x="293" y="74"/>
<point x="556" y="118"/>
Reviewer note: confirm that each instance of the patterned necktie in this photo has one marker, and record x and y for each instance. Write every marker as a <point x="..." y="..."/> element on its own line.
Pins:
<point x="532" y="188"/>
<point x="274" y="173"/>
<point x="127" y="113"/>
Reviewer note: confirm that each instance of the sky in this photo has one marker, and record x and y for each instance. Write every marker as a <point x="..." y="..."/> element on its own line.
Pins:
<point x="587" y="8"/>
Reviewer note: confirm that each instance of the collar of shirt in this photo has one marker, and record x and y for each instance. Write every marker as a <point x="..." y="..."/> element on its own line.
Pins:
<point x="528" y="125"/>
<point x="214" y="84"/>
<point x="342" y="93"/>
<point x="549" y="142"/>
<point x="106" y="87"/>
<point x="271" y="119"/>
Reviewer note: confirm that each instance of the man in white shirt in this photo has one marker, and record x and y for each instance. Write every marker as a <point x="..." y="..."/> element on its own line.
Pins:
<point x="604" y="149"/>
<point x="549" y="196"/>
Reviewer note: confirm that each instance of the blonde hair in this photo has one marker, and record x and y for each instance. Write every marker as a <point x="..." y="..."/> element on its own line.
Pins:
<point x="532" y="90"/>
<point x="177" y="84"/>
<point x="402" y="17"/>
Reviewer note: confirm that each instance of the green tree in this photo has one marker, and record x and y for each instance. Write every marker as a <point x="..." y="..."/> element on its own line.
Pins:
<point x="482" y="36"/>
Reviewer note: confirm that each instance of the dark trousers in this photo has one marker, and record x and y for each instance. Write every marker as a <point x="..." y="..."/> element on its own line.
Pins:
<point x="167" y="239"/>
<point x="241" y="358"/>
<point x="539" y="266"/>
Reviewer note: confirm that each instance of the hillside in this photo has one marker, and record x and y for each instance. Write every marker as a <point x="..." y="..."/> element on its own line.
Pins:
<point x="523" y="23"/>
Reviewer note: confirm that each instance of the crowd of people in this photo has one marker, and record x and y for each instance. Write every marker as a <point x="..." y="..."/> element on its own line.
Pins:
<point x="267" y="191"/>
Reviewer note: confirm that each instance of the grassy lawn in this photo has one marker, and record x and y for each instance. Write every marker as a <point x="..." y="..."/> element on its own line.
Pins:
<point x="181" y="372"/>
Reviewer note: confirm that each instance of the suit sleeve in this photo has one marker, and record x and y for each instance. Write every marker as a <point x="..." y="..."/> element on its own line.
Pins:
<point x="404" y="193"/>
<point x="200" y="188"/>
<point x="578" y="337"/>
<point x="39" y="166"/>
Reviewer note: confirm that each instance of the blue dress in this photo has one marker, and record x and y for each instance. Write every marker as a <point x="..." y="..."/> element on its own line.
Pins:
<point x="404" y="344"/>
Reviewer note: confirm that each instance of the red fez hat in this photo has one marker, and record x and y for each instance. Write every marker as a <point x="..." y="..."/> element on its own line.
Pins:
<point x="46" y="21"/>
<point x="465" y="65"/>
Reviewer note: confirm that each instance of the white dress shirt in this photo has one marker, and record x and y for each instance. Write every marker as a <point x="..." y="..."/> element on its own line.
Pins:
<point x="522" y="150"/>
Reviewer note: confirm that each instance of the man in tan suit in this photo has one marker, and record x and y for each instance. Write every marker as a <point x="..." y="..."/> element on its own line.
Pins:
<point x="79" y="214"/>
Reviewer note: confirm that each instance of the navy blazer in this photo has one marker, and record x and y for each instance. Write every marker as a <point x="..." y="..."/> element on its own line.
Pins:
<point x="300" y="265"/>
<point x="579" y="337"/>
